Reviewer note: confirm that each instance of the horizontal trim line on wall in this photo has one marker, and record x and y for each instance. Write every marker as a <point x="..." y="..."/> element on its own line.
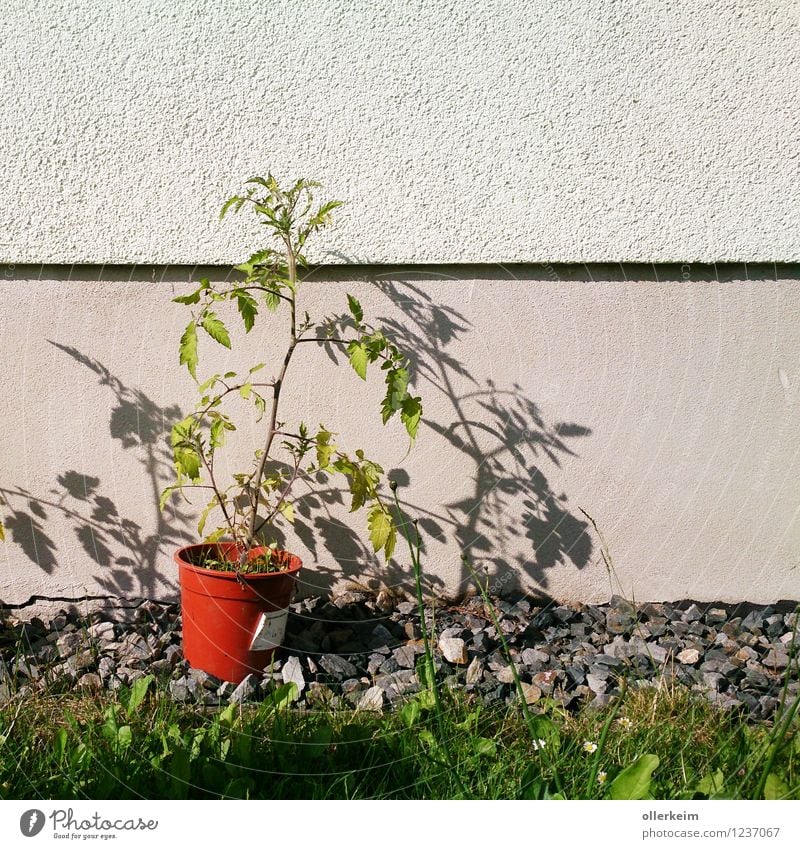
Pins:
<point x="587" y="272"/>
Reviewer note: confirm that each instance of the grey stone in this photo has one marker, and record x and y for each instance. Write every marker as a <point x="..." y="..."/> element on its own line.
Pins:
<point x="657" y="653"/>
<point x="531" y="693"/>
<point x="755" y="680"/>
<point x="506" y="675"/>
<point x="596" y="684"/>
<point x="714" y="680"/>
<point x="383" y="635"/>
<point x="716" y="616"/>
<point x="293" y="672"/>
<point x="246" y="690"/>
<point x="337" y="667"/>
<point x="474" y="671"/>
<point x="776" y="659"/>
<point x="173" y="654"/>
<point x="692" y="614"/>
<point x="454" y="649"/>
<point x="405" y="656"/>
<point x="688" y="656"/>
<point x="102" y="631"/>
<point x="371" y="700"/>
<point x="90" y="682"/>
<point x="179" y="689"/>
<point x="106" y="667"/>
<point x="753" y="620"/>
<point x="619" y="623"/>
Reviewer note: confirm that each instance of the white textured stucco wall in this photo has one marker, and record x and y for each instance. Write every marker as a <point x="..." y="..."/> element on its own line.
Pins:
<point x="458" y="132"/>
<point x="665" y="403"/>
<point x="663" y="400"/>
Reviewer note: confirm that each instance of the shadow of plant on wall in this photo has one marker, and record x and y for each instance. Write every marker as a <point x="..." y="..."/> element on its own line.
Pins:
<point x="131" y="561"/>
<point x="511" y="522"/>
<point x="507" y="440"/>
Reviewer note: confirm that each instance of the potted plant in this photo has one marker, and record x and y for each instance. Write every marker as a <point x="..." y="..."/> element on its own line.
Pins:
<point x="236" y="584"/>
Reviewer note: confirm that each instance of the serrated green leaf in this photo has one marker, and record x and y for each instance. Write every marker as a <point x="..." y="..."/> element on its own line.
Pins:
<point x="391" y="542"/>
<point x="325" y="448"/>
<point x="411" y="414"/>
<point x="634" y="781"/>
<point x="217" y="433"/>
<point x="187" y="461"/>
<point x="272" y="300"/>
<point x="379" y="523"/>
<point x="248" y="309"/>
<point x="229" y="203"/>
<point x="357" y="354"/>
<point x="215" y="329"/>
<point x="188" y="349"/>
<point x="193" y="298"/>
<point x="355" y="309"/>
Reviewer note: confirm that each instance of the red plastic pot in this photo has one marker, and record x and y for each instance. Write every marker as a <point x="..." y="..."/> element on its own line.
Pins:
<point x="232" y="626"/>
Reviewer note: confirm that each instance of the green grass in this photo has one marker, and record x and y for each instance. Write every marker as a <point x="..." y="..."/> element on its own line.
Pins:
<point x="141" y="744"/>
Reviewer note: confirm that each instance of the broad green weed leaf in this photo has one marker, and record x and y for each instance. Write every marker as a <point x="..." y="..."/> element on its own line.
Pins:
<point x="634" y="781"/>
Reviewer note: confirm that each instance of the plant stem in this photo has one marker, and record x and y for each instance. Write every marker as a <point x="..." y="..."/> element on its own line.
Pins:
<point x="276" y="396"/>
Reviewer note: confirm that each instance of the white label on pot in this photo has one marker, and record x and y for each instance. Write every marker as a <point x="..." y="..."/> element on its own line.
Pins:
<point x="269" y="631"/>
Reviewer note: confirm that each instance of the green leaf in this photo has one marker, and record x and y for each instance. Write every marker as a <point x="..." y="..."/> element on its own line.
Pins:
<point x="410" y="712"/>
<point x="187" y="461"/>
<point x="193" y="298"/>
<point x="165" y="496"/>
<point x="188" y="349"/>
<point x="236" y="200"/>
<point x="325" y="448"/>
<point x="775" y="787"/>
<point x="380" y="527"/>
<point x="634" y="781"/>
<point x="486" y="747"/>
<point x="287" y="510"/>
<point x="284" y="696"/>
<point x="411" y="414"/>
<point x="2" y="533"/>
<point x="248" y="309"/>
<point x="711" y="784"/>
<point x="217" y="433"/>
<point x="272" y="299"/>
<point x="355" y="309"/>
<point x="138" y="693"/>
<point x="125" y="735"/>
<point x="201" y="524"/>
<point x="256" y="368"/>
<point x="357" y="354"/>
<point x="215" y="329"/>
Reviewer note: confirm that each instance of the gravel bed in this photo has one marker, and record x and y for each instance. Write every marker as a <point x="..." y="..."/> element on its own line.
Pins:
<point x="360" y="651"/>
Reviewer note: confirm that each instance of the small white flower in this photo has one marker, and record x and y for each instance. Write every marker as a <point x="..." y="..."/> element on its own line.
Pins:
<point x="625" y="723"/>
<point x="539" y="744"/>
<point x="589" y="746"/>
<point x="601" y="777"/>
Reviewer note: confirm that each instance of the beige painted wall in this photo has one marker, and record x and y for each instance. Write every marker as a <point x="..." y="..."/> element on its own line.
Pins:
<point x="663" y="400"/>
